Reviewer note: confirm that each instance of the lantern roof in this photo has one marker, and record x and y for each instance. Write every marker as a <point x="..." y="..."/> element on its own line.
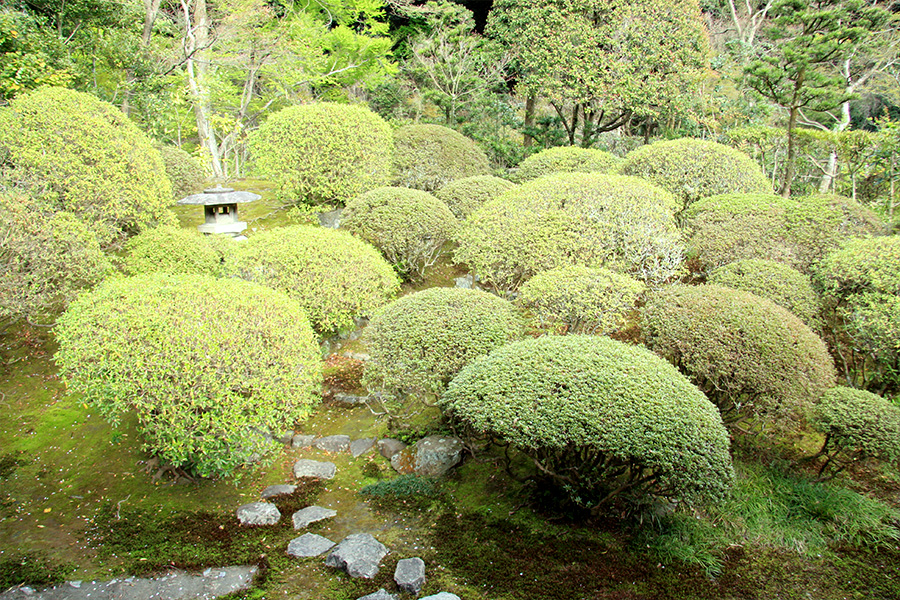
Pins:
<point x="220" y="195"/>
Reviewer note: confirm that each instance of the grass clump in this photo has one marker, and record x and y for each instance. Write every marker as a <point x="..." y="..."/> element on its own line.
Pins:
<point x="32" y="569"/>
<point x="406" y="491"/>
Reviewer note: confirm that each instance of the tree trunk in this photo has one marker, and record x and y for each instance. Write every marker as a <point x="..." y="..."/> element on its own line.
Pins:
<point x="151" y="9"/>
<point x="530" y="103"/>
<point x="791" y="151"/>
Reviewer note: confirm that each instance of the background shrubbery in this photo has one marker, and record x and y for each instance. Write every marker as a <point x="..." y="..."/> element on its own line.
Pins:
<point x="565" y="159"/>
<point x="428" y="157"/>
<point x="185" y="173"/>
<point x="465" y="196"/>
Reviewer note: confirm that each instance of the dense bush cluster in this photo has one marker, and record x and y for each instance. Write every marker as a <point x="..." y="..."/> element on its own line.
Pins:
<point x="419" y="342"/>
<point x="185" y="173"/>
<point x="590" y="219"/>
<point x="565" y="159"/>
<point x="410" y="227"/>
<point x="208" y="366"/>
<point x="428" y="157"/>
<point x="465" y="196"/>
<point x="324" y="152"/>
<point x="333" y="276"/>
<point x="579" y="299"/>
<point x="170" y="250"/>
<point x="602" y="419"/>
<point x="751" y="357"/>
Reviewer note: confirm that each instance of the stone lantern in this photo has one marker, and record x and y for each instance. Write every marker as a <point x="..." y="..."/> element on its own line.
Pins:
<point x="220" y="209"/>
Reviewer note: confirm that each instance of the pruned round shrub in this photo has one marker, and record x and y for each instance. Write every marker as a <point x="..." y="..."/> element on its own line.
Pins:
<point x="82" y="155"/>
<point x="693" y="169"/>
<point x="465" y="196"/>
<point x="170" y="250"/>
<point x="590" y="219"/>
<point x="774" y="281"/>
<point x="333" y="276"/>
<point x="862" y="265"/>
<point x="601" y="418"/>
<point x="324" y="152"/>
<point x="858" y="425"/>
<point x="208" y="366"/>
<point x="410" y="227"/>
<point x="428" y="157"/>
<point x="419" y="342"/>
<point x="579" y="299"/>
<point x="185" y="173"/>
<point x="565" y="159"/>
<point x="752" y="358"/>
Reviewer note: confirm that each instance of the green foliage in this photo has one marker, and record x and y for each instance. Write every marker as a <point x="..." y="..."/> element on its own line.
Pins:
<point x="773" y="281"/>
<point x="601" y="418"/>
<point x="405" y="491"/>
<point x="565" y="159"/>
<point x="334" y="277"/>
<point x="464" y="196"/>
<point x="580" y="299"/>
<point x="862" y="265"/>
<point x="589" y="219"/>
<point x="84" y="156"/>
<point x="170" y="250"/>
<point x="26" y="55"/>
<point x="323" y="152"/>
<point x="420" y="342"/>
<point x="410" y="227"/>
<point x="428" y="157"/>
<point x="751" y="357"/>
<point x="209" y="366"/>
<point x="183" y="170"/>
<point x="693" y="169"/>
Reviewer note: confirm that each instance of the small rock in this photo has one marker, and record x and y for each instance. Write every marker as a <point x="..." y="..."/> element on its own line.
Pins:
<point x="26" y="590"/>
<point x="381" y="594"/>
<point x="302" y="518"/>
<point x="309" y="544"/>
<point x="389" y="447"/>
<point x="431" y="456"/>
<point x="75" y="584"/>
<point x="314" y="468"/>
<point x="349" y="399"/>
<point x="361" y="356"/>
<point x="333" y="443"/>
<point x="258" y="513"/>
<point x="331" y="219"/>
<point x="302" y="441"/>
<point x="283" y="438"/>
<point x="278" y="490"/>
<point x="358" y="554"/>
<point x="466" y="282"/>
<point x="441" y="596"/>
<point x="410" y="575"/>
<point x="360" y="447"/>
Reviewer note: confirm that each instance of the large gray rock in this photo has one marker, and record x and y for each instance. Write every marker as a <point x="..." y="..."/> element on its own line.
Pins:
<point x="331" y="219"/>
<point x="349" y="399"/>
<point x="309" y="544"/>
<point x="358" y="554"/>
<point x="303" y="517"/>
<point x="441" y="596"/>
<point x="302" y="441"/>
<point x="410" y="575"/>
<point x="258" y="513"/>
<point x="333" y="443"/>
<point x="389" y="447"/>
<point x="278" y="490"/>
<point x="313" y="468"/>
<point x="431" y="456"/>
<point x="381" y="594"/>
<point x="360" y="447"/>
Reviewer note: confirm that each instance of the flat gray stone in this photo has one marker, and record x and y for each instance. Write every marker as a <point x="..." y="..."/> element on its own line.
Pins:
<point x="431" y="456"/>
<point x="360" y="447"/>
<point x="313" y="468"/>
<point x="303" y="517"/>
<point x="349" y="399"/>
<point x="333" y="443"/>
<point x="381" y="594"/>
<point x="441" y="596"/>
<point x="309" y="544"/>
<point x="410" y="575"/>
<point x="258" y="513"/>
<point x="278" y="490"/>
<point x="302" y="441"/>
<point x="358" y="554"/>
<point x="389" y="447"/>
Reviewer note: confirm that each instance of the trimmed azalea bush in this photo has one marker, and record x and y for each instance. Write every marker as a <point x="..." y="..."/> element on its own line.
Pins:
<point x="579" y="299"/>
<point x="208" y="366"/>
<point x="184" y="171"/>
<point x="774" y="281"/>
<point x="170" y="250"/>
<point x="428" y="157"/>
<point x="589" y="219"/>
<point x="858" y="425"/>
<point x="862" y="265"/>
<point x="692" y="169"/>
<point x="419" y="342"/>
<point x="410" y="227"/>
<point x="565" y="159"/>
<point x="603" y="420"/>
<point x="323" y="152"/>
<point x="465" y="196"/>
<point x="751" y="357"/>
<point x="83" y="156"/>
<point x="333" y="276"/>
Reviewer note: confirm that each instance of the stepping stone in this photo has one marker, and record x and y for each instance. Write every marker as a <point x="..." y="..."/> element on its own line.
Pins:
<point x="358" y="554"/>
<point x="278" y="490"/>
<point x="314" y="468"/>
<point x="309" y="544"/>
<point x="311" y="514"/>
<point x="379" y="595"/>
<point x="360" y="447"/>
<point x="442" y="596"/>
<point x="389" y="447"/>
<point x="258" y="513"/>
<point x="410" y="575"/>
<point x="431" y="456"/>
<point x="349" y="399"/>
<point x="302" y="441"/>
<point x="333" y="443"/>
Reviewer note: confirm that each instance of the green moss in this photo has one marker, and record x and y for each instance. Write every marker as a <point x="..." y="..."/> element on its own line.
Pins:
<point x="31" y="569"/>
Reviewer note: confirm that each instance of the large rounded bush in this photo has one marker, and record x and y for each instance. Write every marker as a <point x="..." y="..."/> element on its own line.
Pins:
<point x="565" y="159"/>
<point x="862" y="265"/>
<point x="410" y="227"/>
<point x="428" y="157"/>
<point x="465" y="196"/>
<point x="87" y="158"/>
<point x="693" y="169"/>
<point x="170" y="250"/>
<point x="589" y="219"/>
<point x="185" y="173"/>
<point x="333" y="276"/>
<point x="774" y="281"/>
<point x="751" y="357"/>
<point x="603" y="419"/>
<point x="580" y="299"/>
<point x="324" y="152"/>
<point x="208" y="366"/>
<point x="419" y="342"/>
